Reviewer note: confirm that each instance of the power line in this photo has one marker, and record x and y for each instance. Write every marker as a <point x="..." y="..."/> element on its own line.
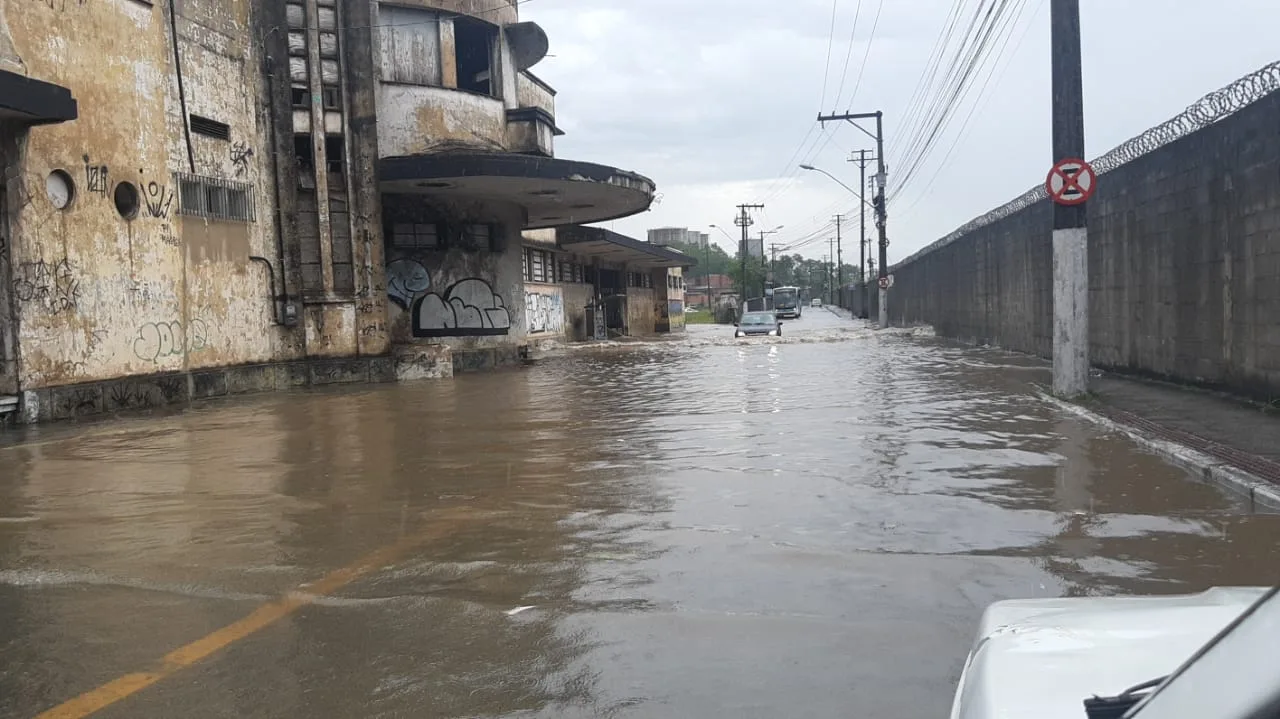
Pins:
<point x="831" y="38"/>
<point x="980" y="102"/>
<point x="866" y="53"/>
<point x="849" y="53"/>
<point x="993" y="25"/>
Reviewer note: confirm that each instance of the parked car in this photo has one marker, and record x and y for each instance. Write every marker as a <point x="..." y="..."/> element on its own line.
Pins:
<point x="755" y="324"/>
<point x="817" y="302"/>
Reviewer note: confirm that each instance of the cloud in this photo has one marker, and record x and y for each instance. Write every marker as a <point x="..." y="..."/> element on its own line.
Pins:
<point x="712" y="100"/>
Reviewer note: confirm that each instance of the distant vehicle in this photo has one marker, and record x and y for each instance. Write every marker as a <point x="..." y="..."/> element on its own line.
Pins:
<point x="1153" y="657"/>
<point x="817" y="302"/>
<point x="786" y="302"/>
<point x="755" y="324"/>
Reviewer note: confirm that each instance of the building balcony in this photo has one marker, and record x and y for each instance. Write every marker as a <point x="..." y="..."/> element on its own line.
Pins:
<point x="452" y="82"/>
<point x="531" y="127"/>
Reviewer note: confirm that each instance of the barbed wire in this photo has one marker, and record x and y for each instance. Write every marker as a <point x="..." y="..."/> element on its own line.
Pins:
<point x="1214" y="107"/>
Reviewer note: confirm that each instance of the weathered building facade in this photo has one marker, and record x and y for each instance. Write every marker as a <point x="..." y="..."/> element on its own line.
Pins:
<point x="218" y="196"/>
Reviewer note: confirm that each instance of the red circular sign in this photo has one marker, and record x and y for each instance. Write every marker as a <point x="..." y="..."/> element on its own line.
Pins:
<point x="884" y="283"/>
<point x="1071" y="182"/>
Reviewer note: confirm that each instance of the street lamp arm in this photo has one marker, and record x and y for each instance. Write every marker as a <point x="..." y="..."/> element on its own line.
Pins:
<point x="852" y="191"/>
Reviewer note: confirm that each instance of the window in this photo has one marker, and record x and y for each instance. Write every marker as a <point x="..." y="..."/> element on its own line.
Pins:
<point x="214" y="198"/>
<point x="334" y="152"/>
<point x="210" y="128"/>
<point x="409" y="43"/>
<point x="409" y="235"/>
<point x="539" y="266"/>
<point x="478" y="237"/>
<point x="474" y="44"/>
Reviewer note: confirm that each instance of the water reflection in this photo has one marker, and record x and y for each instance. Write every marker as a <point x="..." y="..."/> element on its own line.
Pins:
<point x="673" y="521"/>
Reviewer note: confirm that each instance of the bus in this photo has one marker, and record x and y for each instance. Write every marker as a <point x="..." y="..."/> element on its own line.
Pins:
<point x="786" y="301"/>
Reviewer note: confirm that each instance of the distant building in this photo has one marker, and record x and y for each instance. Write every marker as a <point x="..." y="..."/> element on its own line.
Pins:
<point x="683" y="235"/>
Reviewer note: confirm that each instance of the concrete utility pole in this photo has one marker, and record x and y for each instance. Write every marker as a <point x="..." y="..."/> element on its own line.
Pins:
<point x="1070" y="231"/>
<point x="831" y="255"/>
<point x="744" y="221"/>
<point x="882" y="217"/>
<point x="862" y="237"/>
<point x="839" y="265"/>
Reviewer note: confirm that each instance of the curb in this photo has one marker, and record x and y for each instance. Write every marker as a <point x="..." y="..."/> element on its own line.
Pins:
<point x="1263" y="496"/>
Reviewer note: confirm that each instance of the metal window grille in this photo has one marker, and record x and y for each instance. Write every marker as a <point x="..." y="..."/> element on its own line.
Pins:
<point x="215" y="198"/>
<point x="415" y="236"/>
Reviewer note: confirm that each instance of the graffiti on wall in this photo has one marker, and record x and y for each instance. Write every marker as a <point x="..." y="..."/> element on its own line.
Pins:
<point x="544" y="313"/>
<point x="157" y="199"/>
<point x="240" y="154"/>
<point x="469" y="307"/>
<point x="406" y="280"/>
<point x="95" y="177"/>
<point x="156" y="340"/>
<point x="51" y="285"/>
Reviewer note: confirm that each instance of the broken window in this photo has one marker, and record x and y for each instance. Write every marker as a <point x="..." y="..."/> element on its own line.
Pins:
<point x="304" y="155"/>
<point x="475" y="46"/>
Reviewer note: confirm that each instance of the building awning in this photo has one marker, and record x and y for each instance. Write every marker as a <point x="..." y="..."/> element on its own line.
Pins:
<point x="552" y="191"/>
<point x="609" y="246"/>
<point x="34" y="102"/>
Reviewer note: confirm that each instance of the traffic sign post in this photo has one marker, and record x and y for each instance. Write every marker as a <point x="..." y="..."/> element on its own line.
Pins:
<point x="1071" y="182"/>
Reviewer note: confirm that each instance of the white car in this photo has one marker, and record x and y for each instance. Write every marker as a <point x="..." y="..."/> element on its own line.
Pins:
<point x="816" y="302"/>
<point x="1055" y="658"/>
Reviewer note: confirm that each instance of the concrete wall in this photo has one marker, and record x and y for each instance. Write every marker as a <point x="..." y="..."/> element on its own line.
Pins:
<point x="642" y="311"/>
<point x="544" y="311"/>
<point x="101" y="295"/>
<point x="413" y="120"/>
<point x="468" y="299"/>
<point x="576" y="298"/>
<point x="1184" y="265"/>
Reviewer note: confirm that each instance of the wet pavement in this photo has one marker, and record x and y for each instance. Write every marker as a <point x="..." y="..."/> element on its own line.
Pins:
<point x="807" y="526"/>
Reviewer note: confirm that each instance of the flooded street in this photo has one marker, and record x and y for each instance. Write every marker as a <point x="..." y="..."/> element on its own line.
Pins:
<point x="801" y="527"/>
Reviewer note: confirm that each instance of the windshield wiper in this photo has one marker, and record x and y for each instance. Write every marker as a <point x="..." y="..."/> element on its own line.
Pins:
<point x="1115" y="707"/>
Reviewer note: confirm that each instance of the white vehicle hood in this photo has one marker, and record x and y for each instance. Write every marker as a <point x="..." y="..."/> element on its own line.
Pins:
<point x="1042" y="657"/>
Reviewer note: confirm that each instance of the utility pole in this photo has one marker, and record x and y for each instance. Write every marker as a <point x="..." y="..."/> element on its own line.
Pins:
<point x="862" y="237"/>
<point x="706" y="274"/>
<point x="839" y="266"/>
<point x="826" y="270"/>
<point x="831" y="255"/>
<point x="1070" y="231"/>
<point x="744" y="221"/>
<point x="881" y="178"/>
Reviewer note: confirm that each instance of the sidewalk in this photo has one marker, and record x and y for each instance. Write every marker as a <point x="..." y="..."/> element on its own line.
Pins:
<point x="1229" y="430"/>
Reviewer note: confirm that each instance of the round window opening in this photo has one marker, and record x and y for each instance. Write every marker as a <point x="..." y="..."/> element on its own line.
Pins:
<point x="60" y="189"/>
<point x="126" y="198"/>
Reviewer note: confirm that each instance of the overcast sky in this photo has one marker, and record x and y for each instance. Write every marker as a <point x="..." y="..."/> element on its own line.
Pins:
<point x="712" y="98"/>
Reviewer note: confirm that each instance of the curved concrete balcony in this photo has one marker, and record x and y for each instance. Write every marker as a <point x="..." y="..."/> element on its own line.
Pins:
<point x="419" y="119"/>
<point x="551" y="192"/>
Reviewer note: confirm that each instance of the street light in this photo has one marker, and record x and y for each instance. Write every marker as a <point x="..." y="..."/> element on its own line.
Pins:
<point x="852" y="191"/>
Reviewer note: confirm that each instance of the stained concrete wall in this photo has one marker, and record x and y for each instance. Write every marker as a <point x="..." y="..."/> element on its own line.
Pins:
<point x="544" y="311"/>
<point x="467" y="299"/>
<point x="1184" y="265"/>
<point x="577" y="296"/>
<point x="100" y="295"/>
<point x="642" y="311"/>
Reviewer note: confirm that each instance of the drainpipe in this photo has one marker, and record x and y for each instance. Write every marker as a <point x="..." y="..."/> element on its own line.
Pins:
<point x="282" y="307"/>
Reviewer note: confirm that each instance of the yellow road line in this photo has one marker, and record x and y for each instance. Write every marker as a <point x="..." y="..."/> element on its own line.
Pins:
<point x="264" y="616"/>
